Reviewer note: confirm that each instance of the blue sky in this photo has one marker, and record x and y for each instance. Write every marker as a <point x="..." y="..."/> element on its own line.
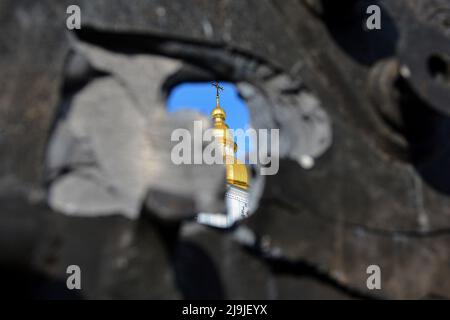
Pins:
<point x="202" y="97"/>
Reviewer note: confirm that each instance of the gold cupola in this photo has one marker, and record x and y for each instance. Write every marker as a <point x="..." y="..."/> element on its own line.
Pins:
<point x="237" y="174"/>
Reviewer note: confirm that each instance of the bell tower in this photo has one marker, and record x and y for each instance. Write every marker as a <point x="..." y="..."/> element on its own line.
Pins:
<point x="236" y="197"/>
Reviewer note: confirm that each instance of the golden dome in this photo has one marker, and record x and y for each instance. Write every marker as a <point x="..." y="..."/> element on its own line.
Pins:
<point x="218" y="113"/>
<point x="237" y="174"/>
<point x="221" y="130"/>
